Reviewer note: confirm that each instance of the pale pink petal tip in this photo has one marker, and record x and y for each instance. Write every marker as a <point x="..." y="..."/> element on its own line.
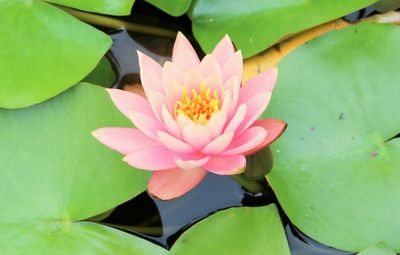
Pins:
<point x="223" y="50"/>
<point x="173" y="183"/>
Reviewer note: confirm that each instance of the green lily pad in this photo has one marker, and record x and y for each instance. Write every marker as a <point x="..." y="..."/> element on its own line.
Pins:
<point x="103" y="75"/>
<point x="387" y="5"/>
<point x="254" y="230"/>
<point x="172" y="7"/>
<point x="55" y="173"/>
<point x="256" y="25"/>
<point x="336" y="171"/>
<point x="114" y="7"/>
<point x="43" y="51"/>
<point x="379" y="249"/>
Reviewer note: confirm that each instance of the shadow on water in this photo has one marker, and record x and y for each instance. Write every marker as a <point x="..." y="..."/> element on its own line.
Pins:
<point x="162" y="222"/>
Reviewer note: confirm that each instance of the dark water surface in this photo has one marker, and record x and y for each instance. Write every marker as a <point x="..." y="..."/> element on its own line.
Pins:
<point x="162" y="222"/>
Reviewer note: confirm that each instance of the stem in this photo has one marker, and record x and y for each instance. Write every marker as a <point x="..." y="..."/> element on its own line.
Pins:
<point x="109" y="22"/>
<point x="252" y="186"/>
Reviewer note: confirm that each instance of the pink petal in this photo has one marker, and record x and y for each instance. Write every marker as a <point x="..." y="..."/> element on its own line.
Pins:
<point x="219" y="144"/>
<point x="255" y="107"/>
<point x="183" y="120"/>
<point x="209" y="65"/>
<point x="150" y="74"/>
<point x="192" y="80"/>
<point x="216" y="124"/>
<point x="174" y="93"/>
<point x="124" y="140"/>
<point x="138" y="110"/>
<point x="169" y="122"/>
<point x="152" y="158"/>
<point x="183" y="54"/>
<point x="274" y="128"/>
<point x="171" y="72"/>
<point x="262" y="83"/>
<point x="191" y="161"/>
<point x="226" y="165"/>
<point x="224" y="50"/>
<point x="214" y="82"/>
<point x="175" y="182"/>
<point x="196" y="135"/>
<point x="234" y="86"/>
<point x="226" y="102"/>
<point x="156" y="100"/>
<point x="233" y="67"/>
<point x="248" y="140"/>
<point x="174" y="144"/>
<point x="239" y="116"/>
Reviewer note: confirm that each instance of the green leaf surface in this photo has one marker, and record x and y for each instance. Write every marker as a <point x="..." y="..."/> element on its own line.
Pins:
<point x="252" y="231"/>
<point x="336" y="171"/>
<point x="111" y="7"/>
<point x="43" y="51"/>
<point x="379" y="249"/>
<point x="387" y="5"/>
<point x="255" y="25"/>
<point x="103" y="75"/>
<point x="172" y="7"/>
<point x="54" y="172"/>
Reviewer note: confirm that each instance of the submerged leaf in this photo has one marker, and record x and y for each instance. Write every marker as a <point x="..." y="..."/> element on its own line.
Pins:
<point x="336" y="170"/>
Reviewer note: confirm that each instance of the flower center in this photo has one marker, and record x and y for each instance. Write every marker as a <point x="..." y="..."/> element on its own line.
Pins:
<point x="200" y="106"/>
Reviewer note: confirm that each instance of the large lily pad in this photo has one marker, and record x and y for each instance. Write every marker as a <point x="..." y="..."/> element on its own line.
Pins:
<point x="379" y="249"/>
<point x="256" y="230"/>
<point x="113" y="7"/>
<point x="336" y="171"/>
<point x="172" y="7"/>
<point x="54" y="173"/>
<point x="256" y="25"/>
<point x="43" y="51"/>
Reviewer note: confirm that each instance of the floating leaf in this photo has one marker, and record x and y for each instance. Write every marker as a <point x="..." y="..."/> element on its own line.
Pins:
<point x="379" y="249"/>
<point x="172" y="7"/>
<point x="336" y="168"/>
<point x="256" y="25"/>
<point x="54" y="173"/>
<point x="114" y="7"/>
<point x="103" y="74"/>
<point x="254" y="230"/>
<point x="43" y="52"/>
<point x="387" y="5"/>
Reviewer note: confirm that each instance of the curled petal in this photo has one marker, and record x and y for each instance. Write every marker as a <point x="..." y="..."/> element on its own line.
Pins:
<point x="226" y="165"/>
<point x="175" y="182"/>
<point x="191" y="161"/>
<point x="249" y="139"/>
<point x="183" y="53"/>
<point x="138" y="110"/>
<point x="224" y="50"/>
<point x="174" y="144"/>
<point x="219" y="144"/>
<point x="274" y="128"/>
<point x="152" y="158"/>
<point x="124" y="140"/>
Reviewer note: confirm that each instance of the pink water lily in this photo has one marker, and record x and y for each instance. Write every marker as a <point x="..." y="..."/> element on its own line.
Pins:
<point x="196" y="117"/>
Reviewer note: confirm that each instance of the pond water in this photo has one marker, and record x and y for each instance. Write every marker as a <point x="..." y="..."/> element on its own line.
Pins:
<point x="162" y="222"/>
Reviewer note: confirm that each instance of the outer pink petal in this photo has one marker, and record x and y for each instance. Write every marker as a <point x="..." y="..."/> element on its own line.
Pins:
<point x="174" y="144"/>
<point x="150" y="74"/>
<point x="175" y="182"/>
<point x="138" y="110"/>
<point x="169" y="122"/>
<point x="255" y="107"/>
<point x="152" y="158"/>
<point x="264" y="82"/>
<point x="216" y="124"/>
<point x="183" y="54"/>
<point x="248" y="140"/>
<point x="124" y="140"/>
<point x="224" y="50"/>
<point x="219" y="144"/>
<point x="191" y="161"/>
<point x="238" y="117"/>
<point x="196" y="135"/>
<point x="226" y="165"/>
<point x="209" y="65"/>
<point x="275" y="129"/>
<point x="171" y="72"/>
<point x="233" y="67"/>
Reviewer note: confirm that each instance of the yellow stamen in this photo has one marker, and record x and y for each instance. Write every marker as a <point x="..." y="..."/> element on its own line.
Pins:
<point x="200" y="106"/>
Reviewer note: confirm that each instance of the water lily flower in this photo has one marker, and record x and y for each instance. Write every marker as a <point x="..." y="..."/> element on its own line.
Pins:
<point x="197" y="117"/>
